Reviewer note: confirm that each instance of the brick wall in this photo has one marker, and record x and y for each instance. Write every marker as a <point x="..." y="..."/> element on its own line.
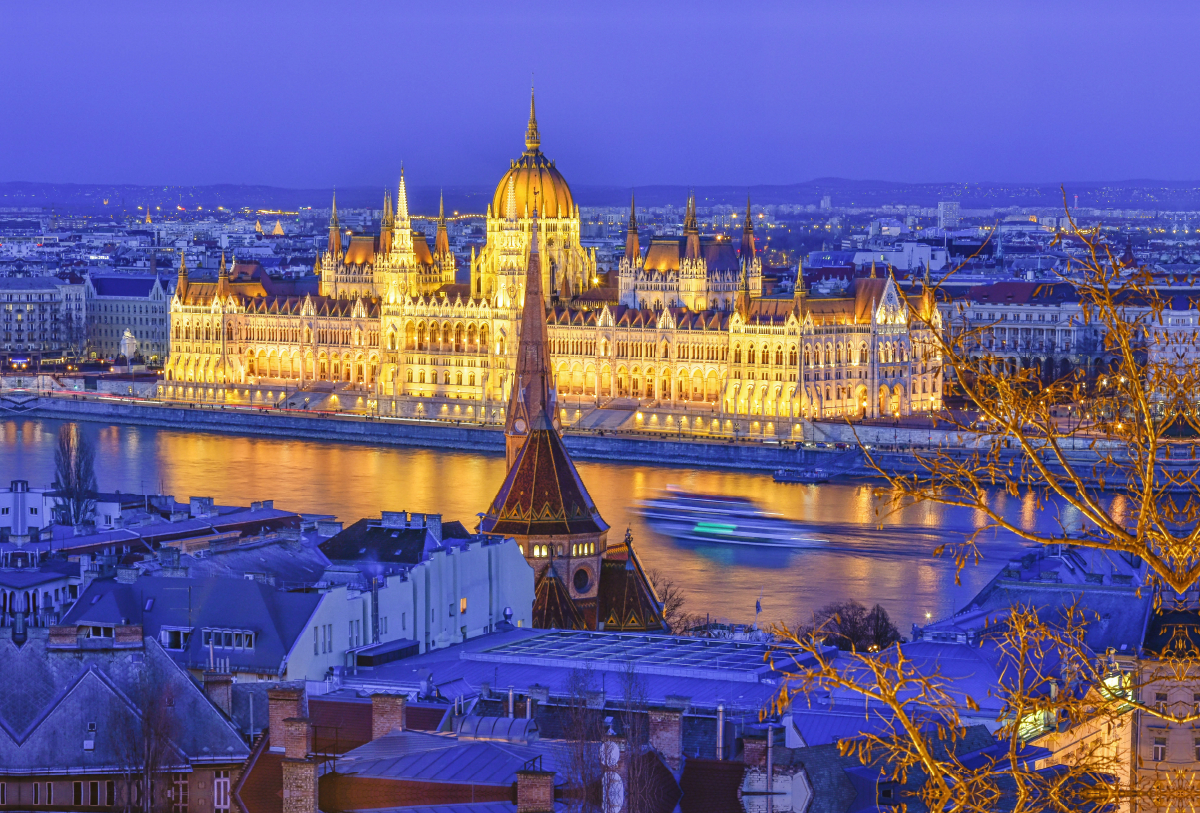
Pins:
<point x="342" y="792"/>
<point x="666" y="735"/>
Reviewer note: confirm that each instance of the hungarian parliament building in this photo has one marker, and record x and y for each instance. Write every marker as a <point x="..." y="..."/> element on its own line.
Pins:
<point x="687" y="324"/>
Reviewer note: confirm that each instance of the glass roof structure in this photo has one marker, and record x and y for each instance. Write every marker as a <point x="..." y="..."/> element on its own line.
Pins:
<point x="649" y="654"/>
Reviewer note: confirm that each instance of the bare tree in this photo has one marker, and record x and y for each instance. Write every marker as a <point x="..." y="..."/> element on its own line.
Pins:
<point x="674" y="601"/>
<point x="1128" y="422"/>
<point x="74" y="476"/>
<point x="143" y="745"/>
<point x="849" y="625"/>
<point x="584" y="732"/>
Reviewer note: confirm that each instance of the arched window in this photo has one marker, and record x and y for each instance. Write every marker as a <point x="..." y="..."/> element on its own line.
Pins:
<point x="792" y="356"/>
<point x="750" y="354"/>
<point x="410" y="377"/>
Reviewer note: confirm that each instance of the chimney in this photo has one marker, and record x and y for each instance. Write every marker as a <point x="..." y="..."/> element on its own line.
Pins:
<point x="200" y="506"/>
<point x="387" y="713"/>
<point x="720" y="731"/>
<point x="219" y="688"/>
<point x="754" y="751"/>
<point x="127" y="574"/>
<point x="282" y="704"/>
<point x="433" y="523"/>
<point x="535" y="791"/>
<point x="393" y="519"/>
<point x="299" y="785"/>
<point x="297" y="738"/>
<point x="327" y="528"/>
<point x="666" y="735"/>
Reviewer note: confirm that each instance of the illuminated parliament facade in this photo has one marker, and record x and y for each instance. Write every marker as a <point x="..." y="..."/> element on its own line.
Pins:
<point x="687" y="324"/>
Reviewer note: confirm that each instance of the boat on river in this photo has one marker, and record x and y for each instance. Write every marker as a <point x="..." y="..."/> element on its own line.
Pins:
<point x="719" y="519"/>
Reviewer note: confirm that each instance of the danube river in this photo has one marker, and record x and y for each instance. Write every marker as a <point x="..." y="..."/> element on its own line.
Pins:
<point x="888" y="560"/>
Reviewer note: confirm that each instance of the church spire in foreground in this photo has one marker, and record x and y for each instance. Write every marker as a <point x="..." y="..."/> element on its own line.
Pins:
<point x="532" y="403"/>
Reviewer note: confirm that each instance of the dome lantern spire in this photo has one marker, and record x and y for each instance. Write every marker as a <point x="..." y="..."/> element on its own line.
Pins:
<point x="533" y="141"/>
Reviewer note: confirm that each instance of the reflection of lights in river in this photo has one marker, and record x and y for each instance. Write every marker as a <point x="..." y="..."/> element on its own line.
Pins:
<point x="891" y="565"/>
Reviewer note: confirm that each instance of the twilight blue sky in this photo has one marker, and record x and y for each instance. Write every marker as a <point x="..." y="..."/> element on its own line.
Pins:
<point x="305" y="94"/>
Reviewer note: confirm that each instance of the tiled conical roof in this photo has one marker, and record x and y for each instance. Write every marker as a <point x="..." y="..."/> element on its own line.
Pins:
<point x="542" y="494"/>
<point x="626" y="600"/>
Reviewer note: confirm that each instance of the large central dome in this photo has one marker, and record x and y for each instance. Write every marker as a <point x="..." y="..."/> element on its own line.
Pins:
<point x="534" y="181"/>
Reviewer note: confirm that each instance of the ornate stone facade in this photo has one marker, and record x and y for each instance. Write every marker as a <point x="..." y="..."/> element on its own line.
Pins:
<point x="691" y="327"/>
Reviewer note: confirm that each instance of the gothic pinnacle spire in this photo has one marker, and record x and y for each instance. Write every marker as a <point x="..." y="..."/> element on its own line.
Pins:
<point x="402" y="200"/>
<point x="532" y="139"/>
<point x="333" y="221"/>
<point x="441" y="207"/>
<point x="633" y="249"/>
<point x="748" y="234"/>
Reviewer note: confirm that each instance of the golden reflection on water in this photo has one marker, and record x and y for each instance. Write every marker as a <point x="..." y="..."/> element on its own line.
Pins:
<point x="867" y="556"/>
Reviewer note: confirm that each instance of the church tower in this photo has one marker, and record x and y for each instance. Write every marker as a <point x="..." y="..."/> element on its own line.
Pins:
<point x="749" y="263"/>
<point x="631" y="263"/>
<point x="332" y="261"/>
<point x="544" y="505"/>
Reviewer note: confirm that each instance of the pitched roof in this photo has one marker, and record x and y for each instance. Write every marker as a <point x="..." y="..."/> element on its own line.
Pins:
<point x="625" y="599"/>
<point x="276" y="618"/>
<point x="125" y="286"/>
<point x="42" y="715"/>
<point x="553" y="607"/>
<point x="542" y="494"/>
<point x="665" y="253"/>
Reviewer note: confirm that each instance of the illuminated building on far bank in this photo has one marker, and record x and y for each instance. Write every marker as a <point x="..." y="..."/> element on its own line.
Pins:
<point x="687" y="325"/>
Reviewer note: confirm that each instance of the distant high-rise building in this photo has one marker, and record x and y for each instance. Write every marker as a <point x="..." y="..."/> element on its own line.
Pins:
<point x="826" y="203"/>
<point x="948" y="214"/>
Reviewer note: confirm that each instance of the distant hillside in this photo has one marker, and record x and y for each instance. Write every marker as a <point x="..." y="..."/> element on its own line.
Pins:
<point x="121" y="199"/>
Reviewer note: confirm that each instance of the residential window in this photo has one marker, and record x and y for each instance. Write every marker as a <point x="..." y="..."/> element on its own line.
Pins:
<point x="1160" y="702"/>
<point x="316" y="641"/>
<point x="110" y="794"/>
<point x="462" y="605"/>
<point x="49" y="793"/>
<point x="79" y="794"/>
<point x="221" y="791"/>
<point x="3" y="793"/>
<point x="94" y="794"/>
<point x="179" y="793"/>
<point x="1160" y="749"/>
<point x="37" y="787"/>
<point x="1197" y="744"/>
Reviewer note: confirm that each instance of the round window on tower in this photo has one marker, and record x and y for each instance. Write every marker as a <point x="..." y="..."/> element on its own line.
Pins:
<point x="583" y="580"/>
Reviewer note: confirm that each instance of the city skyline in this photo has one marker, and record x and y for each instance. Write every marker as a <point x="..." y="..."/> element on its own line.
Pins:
<point x="300" y="97"/>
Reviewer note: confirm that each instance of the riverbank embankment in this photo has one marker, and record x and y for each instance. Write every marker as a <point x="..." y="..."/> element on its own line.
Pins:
<point x="745" y="455"/>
